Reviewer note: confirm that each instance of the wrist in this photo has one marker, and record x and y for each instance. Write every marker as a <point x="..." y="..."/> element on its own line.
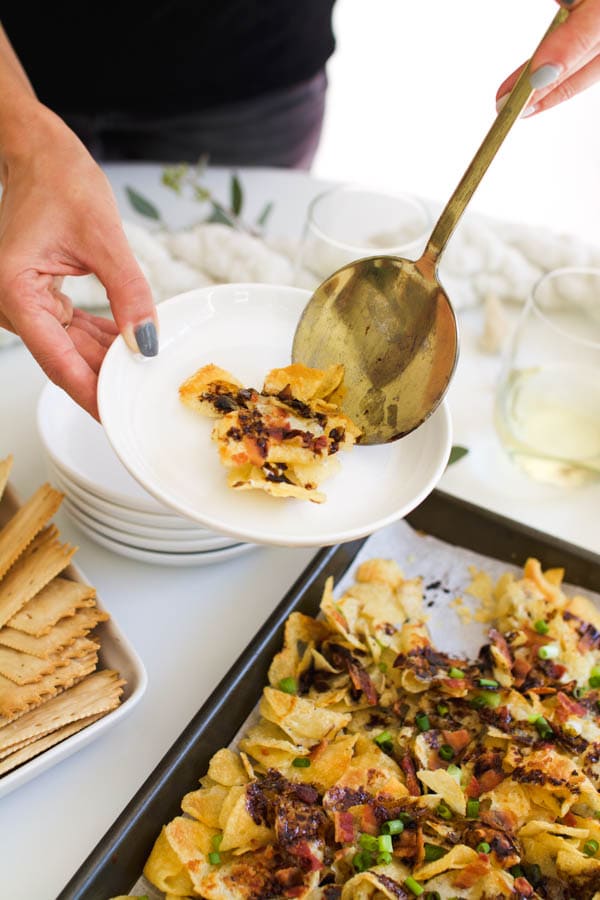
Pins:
<point x="22" y="125"/>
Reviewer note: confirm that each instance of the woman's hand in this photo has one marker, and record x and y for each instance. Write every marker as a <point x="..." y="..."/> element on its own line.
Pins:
<point x="566" y="62"/>
<point x="58" y="217"/>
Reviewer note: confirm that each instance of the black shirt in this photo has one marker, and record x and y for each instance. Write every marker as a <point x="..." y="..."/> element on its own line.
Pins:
<point x="173" y="56"/>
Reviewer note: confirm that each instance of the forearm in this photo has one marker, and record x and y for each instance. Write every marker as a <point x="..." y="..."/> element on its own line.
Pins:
<point x="19" y="106"/>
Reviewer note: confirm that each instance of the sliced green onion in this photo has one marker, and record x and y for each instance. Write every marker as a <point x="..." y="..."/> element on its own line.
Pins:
<point x="433" y="895"/>
<point x="383" y="666"/>
<point x="456" y="673"/>
<point x="516" y="871"/>
<point x="394" y="826"/>
<point x="541" y="626"/>
<point x="443" y="709"/>
<point x="433" y="852"/>
<point x="384" y="859"/>
<point x="384" y="843"/>
<point x="543" y="728"/>
<point x="362" y="861"/>
<point x="444" y="811"/>
<point x="214" y="858"/>
<point x="472" y="809"/>
<point x="483" y="847"/>
<point x="455" y="771"/>
<point x="405" y="818"/>
<point x="301" y="762"/>
<point x="422" y="722"/>
<point x="414" y="887"/>
<point x="368" y="842"/>
<point x="288" y="685"/>
<point x="594" y="681"/>
<point x="488" y="683"/>
<point x="488" y="698"/>
<point x="549" y="651"/>
<point x="216" y="840"/>
<point x="384" y="738"/>
<point x="590" y="848"/>
<point x="578" y="692"/>
<point x="446" y="752"/>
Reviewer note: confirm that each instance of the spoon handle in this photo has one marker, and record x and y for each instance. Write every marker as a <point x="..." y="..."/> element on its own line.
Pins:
<point x="504" y="121"/>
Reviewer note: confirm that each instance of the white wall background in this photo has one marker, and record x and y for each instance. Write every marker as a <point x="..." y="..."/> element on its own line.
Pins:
<point x="412" y="95"/>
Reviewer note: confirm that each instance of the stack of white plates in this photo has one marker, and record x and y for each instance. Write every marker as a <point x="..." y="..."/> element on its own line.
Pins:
<point x="107" y="503"/>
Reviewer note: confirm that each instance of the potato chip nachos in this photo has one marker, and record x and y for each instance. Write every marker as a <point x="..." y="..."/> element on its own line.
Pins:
<point x="381" y="767"/>
<point x="283" y="439"/>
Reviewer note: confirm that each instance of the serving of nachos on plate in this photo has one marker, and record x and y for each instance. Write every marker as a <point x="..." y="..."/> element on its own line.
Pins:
<point x="380" y="767"/>
<point x="284" y="439"/>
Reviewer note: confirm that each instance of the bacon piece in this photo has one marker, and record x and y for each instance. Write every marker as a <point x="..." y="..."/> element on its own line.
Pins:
<point x="499" y="642"/>
<point x="567" y="707"/>
<point x="412" y="783"/>
<point x="473" y="788"/>
<point x="501" y="819"/>
<point x="523" y="887"/>
<point x="303" y="852"/>
<point x="361" y="681"/>
<point x="368" y="820"/>
<point x="471" y="874"/>
<point x="490" y="779"/>
<point x="292" y="876"/>
<point x="344" y="827"/>
<point x="458" y="740"/>
<point x="521" y="670"/>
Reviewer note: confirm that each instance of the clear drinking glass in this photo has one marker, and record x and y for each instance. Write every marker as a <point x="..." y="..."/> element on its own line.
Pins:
<point x="349" y="222"/>
<point x="548" y="400"/>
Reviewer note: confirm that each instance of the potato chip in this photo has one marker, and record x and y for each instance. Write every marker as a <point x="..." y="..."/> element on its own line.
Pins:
<point x="300" y="718"/>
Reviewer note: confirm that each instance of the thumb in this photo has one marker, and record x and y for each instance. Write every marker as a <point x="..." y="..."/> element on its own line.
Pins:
<point x="129" y="295"/>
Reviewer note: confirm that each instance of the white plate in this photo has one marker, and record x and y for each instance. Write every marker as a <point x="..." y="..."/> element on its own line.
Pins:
<point x="248" y="329"/>
<point x="77" y="445"/>
<point x="119" y="513"/>
<point x="157" y="557"/>
<point x="161" y="531"/>
<point x="115" y="653"/>
<point x="165" y="545"/>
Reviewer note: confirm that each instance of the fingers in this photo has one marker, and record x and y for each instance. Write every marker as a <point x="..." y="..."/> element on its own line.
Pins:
<point x="584" y="78"/>
<point x="59" y="357"/>
<point x="572" y="41"/>
<point x="566" y="62"/>
<point x="129" y="294"/>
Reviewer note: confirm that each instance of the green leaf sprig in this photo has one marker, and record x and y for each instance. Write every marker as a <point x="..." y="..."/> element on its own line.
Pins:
<point x="187" y="179"/>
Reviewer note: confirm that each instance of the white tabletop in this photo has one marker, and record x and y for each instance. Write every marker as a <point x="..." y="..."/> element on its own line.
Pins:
<point x="189" y="625"/>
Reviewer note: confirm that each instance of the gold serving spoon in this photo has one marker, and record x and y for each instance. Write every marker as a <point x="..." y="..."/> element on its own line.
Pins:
<point x="390" y="321"/>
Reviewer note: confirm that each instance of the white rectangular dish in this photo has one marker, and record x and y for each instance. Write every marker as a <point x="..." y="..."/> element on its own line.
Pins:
<point x="115" y="653"/>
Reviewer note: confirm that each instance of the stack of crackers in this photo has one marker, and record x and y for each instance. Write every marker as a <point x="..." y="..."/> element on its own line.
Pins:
<point x="50" y="686"/>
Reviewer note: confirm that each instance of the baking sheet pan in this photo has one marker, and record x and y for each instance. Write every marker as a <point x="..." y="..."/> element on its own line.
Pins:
<point x="115" y="864"/>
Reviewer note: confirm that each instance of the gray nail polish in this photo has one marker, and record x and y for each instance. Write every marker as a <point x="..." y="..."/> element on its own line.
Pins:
<point x="147" y="339"/>
<point x="544" y="76"/>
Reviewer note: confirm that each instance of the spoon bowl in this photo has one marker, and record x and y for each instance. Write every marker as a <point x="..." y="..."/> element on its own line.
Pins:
<point x="389" y="321"/>
<point x="393" y="327"/>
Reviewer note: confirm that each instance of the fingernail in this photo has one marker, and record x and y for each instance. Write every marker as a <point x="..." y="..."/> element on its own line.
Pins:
<point x="501" y="101"/>
<point x="528" y="111"/>
<point x="147" y="339"/>
<point x="544" y="76"/>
